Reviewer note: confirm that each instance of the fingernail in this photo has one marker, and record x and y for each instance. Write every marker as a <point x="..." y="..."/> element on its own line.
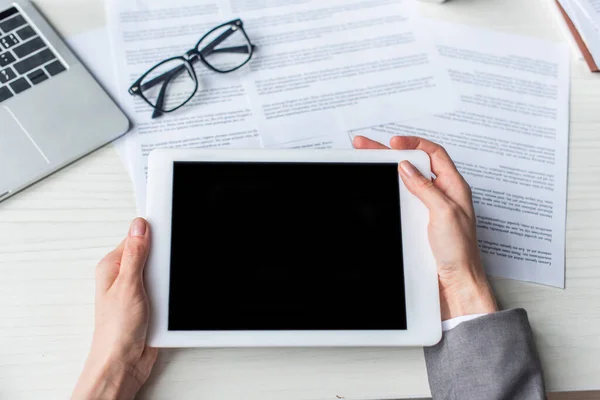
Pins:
<point x="138" y="227"/>
<point x="408" y="169"/>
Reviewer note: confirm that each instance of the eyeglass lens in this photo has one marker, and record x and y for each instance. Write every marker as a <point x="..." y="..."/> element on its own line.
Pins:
<point x="169" y="85"/>
<point x="226" y="48"/>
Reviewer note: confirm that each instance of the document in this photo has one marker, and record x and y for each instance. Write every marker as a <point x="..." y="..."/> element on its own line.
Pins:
<point x="586" y="18"/>
<point x="211" y="137"/>
<point x="591" y="9"/>
<point x="319" y="142"/>
<point x="564" y="27"/>
<point x="508" y="136"/>
<point x="332" y="66"/>
<point x="146" y="32"/>
<point x="509" y="139"/>
<point x="354" y="63"/>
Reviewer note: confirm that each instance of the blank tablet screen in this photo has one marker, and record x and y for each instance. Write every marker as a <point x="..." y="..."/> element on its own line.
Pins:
<point x="286" y="246"/>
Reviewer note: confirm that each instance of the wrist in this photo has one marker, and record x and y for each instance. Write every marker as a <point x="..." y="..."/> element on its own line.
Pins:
<point x="469" y="295"/>
<point x="106" y="378"/>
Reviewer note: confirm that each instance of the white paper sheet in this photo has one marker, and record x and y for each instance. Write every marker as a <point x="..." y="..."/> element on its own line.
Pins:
<point x="585" y="25"/>
<point x="515" y="106"/>
<point x="144" y="33"/>
<point x="564" y="28"/>
<point x="591" y="9"/>
<point x="367" y="44"/>
<point x="93" y="50"/>
<point x="509" y="138"/>
<point x="319" y="142"/>
<point x="212" y="137"/>
<point x="332" y="66"/>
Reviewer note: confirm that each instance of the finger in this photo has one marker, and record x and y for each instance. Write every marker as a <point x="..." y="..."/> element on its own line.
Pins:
<point x="448" y="179"/>
<point x="135" y="253"/>
<point x="108" y="269"/>
<point x="441" y="163"/>
<point x="423" y="188"/>
<point x="361" y="142"/>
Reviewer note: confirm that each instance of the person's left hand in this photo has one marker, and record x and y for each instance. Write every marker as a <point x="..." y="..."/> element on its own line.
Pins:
<point x="119" y="361"/>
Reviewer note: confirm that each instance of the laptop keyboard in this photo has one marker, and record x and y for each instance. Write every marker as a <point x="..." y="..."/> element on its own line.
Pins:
<point x="25" y="59"/>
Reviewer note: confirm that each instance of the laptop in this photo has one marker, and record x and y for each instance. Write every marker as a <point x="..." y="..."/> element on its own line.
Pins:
<point x="52" y="111"/>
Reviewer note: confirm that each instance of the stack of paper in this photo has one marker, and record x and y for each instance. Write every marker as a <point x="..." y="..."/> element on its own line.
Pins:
<point x="582" y="19"/>
<point x="337" y="68"/>
<point x="321" y="69"/>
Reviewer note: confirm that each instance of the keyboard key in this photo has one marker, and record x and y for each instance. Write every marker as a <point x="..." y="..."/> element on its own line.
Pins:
<point x="9" y="41"/>
<point x="6" y="58"/>
<point x="12" y="23"/>
<point x="6" y="75"/>
<point x="37" y="76"/>
<point x="5" y="93"/>
<point x="55" y="68"/>
<point x="26" y="33"/>
<point x="20" y="85"/>
<point x="34" y="61"/>
<point x="8" y="13"/>
<point x="29" y="47"/>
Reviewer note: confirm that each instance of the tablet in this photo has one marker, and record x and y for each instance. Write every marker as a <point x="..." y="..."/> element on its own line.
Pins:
<point x="288" y="248"/>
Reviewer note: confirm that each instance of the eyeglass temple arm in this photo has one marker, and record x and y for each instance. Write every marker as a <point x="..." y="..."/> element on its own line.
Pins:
<point x="209" y="48"/>
<point x="160" y="100"/>
<point x="162" y="77"/>
<point x="235" y="49"/>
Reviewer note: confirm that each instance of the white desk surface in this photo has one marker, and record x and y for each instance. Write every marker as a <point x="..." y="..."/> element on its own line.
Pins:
<point x="53" y="234"/>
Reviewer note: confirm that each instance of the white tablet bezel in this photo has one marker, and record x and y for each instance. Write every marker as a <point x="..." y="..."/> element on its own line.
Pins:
<point x="421" y="281"/>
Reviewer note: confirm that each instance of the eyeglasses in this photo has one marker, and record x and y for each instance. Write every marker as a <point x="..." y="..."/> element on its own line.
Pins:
<point x="170" y="84"/>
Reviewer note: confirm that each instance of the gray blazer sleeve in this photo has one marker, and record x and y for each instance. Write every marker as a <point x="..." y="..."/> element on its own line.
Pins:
<point x="492" y="357"/>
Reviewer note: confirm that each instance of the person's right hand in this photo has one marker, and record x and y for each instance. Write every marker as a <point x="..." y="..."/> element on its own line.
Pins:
<point x="120" y="361"/>
<point x="464" y="288"/>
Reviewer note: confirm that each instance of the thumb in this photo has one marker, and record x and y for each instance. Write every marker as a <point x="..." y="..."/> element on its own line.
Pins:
<point x="423" y="188"/>
<point x="135" y="253"/>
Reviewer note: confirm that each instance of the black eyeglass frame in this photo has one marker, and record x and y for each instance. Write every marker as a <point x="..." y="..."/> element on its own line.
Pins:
<point x="190" y="57"/>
